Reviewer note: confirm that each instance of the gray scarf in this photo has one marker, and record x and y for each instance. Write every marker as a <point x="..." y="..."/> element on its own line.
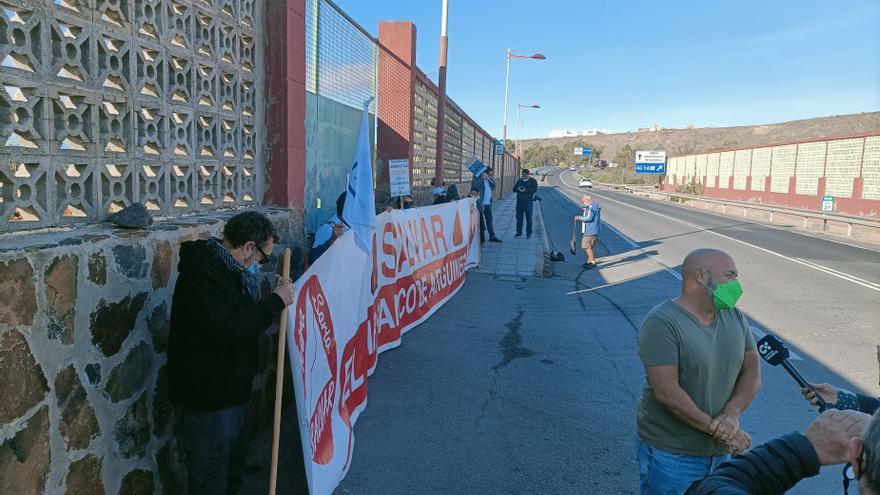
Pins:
<point x="250" y="282"/>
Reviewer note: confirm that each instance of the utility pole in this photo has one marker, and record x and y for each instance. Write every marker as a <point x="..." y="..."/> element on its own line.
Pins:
<point x="441" y="98"/>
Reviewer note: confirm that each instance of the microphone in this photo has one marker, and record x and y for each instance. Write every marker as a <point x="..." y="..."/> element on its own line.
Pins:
<point x="775" y="353"/>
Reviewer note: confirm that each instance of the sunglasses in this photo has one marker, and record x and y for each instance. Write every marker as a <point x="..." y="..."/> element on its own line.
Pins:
<point x="266" y="257"/>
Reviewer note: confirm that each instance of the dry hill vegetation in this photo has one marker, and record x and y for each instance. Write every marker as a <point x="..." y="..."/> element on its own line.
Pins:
<point x="620" y="147"/>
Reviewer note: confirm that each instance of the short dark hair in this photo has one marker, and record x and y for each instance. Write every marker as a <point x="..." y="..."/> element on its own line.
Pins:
<point x="340" y="204"/>
<point x="525" y="171"/>
<point x="249" y="226"/>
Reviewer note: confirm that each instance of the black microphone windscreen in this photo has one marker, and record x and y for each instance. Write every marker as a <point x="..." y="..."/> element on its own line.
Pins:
<point x="772" y="350"/>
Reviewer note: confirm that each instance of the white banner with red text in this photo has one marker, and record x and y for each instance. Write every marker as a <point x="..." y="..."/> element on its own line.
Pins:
<point x="350" y="306"/>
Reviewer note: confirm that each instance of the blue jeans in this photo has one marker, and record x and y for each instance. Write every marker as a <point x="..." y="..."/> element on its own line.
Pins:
<point x="216" y="449"/>
<point x="666" y="473"/>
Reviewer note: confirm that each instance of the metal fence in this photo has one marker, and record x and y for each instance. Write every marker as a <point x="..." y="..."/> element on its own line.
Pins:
<point x="154" y="101"/>
<point x="341" y="75"/>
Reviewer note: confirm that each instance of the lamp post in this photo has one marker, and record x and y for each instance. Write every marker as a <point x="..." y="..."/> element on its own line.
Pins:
<point x="441" y="98"/>
<point x="518" y="127"/>
<point x="510" y="56"/>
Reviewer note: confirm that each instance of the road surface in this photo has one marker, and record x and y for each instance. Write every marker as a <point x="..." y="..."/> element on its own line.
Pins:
<point x="530" y="385"/>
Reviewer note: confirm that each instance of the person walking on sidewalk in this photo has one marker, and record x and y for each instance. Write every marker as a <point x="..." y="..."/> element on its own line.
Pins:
<point x="591" y="224"/>
<point x="485" y="183"/>
<point x="525" y="190"/>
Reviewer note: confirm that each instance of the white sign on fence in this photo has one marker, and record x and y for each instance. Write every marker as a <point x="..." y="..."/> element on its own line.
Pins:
<point x="398" y="177"/>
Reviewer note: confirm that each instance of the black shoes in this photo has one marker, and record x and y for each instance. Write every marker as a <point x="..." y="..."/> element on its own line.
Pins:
<point x="588" y="265"/>
<point x="518" y="235"/>
<point x="494" y="239"/>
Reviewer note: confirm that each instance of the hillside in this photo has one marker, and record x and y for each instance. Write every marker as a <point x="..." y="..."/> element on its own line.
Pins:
<point x="699" y="140"/>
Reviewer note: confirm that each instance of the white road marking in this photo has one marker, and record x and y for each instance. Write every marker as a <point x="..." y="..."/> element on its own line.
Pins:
<point x="834" y="273"/>
<point x="759" y="334"/>
<point x="638" y="248"/>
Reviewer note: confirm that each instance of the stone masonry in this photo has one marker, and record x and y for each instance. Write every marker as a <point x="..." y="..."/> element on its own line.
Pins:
<point x="83" y="335"/>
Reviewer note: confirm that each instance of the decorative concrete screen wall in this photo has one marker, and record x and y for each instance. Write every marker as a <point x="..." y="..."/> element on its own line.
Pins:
<point x="791" y="174"/>
<point x="152" y="101"/>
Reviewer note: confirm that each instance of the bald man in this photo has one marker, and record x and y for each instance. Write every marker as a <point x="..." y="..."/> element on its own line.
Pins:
<point x="702" y="372"/>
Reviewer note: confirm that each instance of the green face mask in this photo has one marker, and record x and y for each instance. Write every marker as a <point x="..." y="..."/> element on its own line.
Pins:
<point x="725" y="295"/>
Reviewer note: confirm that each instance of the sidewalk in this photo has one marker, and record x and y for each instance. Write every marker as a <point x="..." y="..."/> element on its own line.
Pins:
<point x="515" y="256"/>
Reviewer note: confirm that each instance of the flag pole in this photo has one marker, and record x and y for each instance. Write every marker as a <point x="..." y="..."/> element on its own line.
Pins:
<point x="279" y="381"/>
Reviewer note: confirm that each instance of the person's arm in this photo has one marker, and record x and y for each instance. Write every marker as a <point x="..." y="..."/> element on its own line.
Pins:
<point x="531" y="186"/>
<point x="773" y="467"/>
<point x="867" y="404"/>
<point x="211" y="302"/>
<point x="747" y="385"/>
<point x="658" y="349"/>
<point x="517" y="185"/>
<point x="667" y="391"/>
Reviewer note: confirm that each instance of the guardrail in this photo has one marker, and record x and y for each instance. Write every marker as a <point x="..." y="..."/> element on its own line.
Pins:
<point x="833" y="223"/>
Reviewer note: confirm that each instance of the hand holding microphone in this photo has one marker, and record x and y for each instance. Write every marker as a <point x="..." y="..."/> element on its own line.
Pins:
<point x="775" y="353"/>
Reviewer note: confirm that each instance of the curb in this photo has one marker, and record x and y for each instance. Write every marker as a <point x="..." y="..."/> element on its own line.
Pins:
<point x="543" y="264"/>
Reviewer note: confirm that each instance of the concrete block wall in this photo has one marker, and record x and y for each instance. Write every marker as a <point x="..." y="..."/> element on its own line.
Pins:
<point x="83" y="336"/>
<point x="795" y="175"/>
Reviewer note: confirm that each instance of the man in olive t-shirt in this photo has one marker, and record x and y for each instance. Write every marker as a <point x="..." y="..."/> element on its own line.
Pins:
<point x="702" y="372"/>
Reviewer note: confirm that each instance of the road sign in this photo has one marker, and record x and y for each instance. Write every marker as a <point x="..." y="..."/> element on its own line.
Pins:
<point x="583" y="151"/>
<point x="827" y="203"/>
<point x="650" y="162"/>
<point x="398" y="177"/>
<point x="499" y="147"/>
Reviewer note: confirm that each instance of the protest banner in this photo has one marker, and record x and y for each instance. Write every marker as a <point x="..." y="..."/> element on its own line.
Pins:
<point x="351" y="305"/>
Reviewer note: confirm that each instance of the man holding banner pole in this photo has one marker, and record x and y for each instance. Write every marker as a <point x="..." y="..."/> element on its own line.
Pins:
<point x="217" y="316"/>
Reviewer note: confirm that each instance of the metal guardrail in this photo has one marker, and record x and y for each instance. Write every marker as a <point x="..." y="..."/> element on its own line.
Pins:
<point x="850" y="225"/>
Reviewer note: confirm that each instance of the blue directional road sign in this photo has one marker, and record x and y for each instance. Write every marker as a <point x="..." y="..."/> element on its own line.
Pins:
<point x="499" y="147"/>
<point x="650" y="162"/>
<point x="583" y="151"/>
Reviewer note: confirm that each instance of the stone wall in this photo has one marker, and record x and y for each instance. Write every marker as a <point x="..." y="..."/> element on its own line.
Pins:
<point x="83" y="335"/>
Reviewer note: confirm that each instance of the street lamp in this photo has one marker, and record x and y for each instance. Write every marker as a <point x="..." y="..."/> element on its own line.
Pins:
<point x="519" y="126"/>
<point x="510" y="56"/>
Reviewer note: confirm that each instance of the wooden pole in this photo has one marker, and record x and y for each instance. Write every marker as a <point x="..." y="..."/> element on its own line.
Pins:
<point x="279" y="381"/>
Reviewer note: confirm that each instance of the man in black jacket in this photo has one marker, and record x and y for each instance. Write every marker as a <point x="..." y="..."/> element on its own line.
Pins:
<point x="775" y="467"/>
<point x="216" y="318"/>
<point x="525" y="190"/>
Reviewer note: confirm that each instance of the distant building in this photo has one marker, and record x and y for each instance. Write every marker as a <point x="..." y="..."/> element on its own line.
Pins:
<point x="571" y="133"/>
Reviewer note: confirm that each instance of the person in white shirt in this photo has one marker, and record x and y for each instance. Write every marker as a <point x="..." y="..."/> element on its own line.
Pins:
<point x="485" y="183"/>
<point x="329" y="231"/>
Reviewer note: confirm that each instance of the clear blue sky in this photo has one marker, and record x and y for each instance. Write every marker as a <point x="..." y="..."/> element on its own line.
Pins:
<point x="627" y="64"/>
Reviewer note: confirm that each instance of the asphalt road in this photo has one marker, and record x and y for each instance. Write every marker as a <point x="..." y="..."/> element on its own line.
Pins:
<point x="822" y="296"/>
<point x="530" y="385"/>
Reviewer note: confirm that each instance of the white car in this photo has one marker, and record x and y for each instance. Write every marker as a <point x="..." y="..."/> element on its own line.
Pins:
<point x="572" y="168"/>
<point x="586" y="183"/>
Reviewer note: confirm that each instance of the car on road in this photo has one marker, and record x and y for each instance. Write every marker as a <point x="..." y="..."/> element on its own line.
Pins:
<point x="586" y="183"/>
<point x="572" y="168"/>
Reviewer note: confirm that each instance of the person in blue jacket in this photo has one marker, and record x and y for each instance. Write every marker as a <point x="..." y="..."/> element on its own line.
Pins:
<point x="591" y="224"/>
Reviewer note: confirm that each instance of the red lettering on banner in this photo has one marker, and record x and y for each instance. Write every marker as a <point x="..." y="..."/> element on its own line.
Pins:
<point x="427" y="245"/>
<point x="390" y="250"/>
<point x="313" y="318"/>
<point x="439" y="236"/>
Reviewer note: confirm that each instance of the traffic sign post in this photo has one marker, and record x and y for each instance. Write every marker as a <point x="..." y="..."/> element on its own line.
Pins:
<point x="499" y="147"/>
<point x="650" y="162"/>
<point x="827" y="203"/>
<point x="583" y="151"/>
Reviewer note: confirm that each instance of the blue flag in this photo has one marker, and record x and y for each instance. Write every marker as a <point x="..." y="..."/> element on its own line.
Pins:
<point x="360" y="210"/>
